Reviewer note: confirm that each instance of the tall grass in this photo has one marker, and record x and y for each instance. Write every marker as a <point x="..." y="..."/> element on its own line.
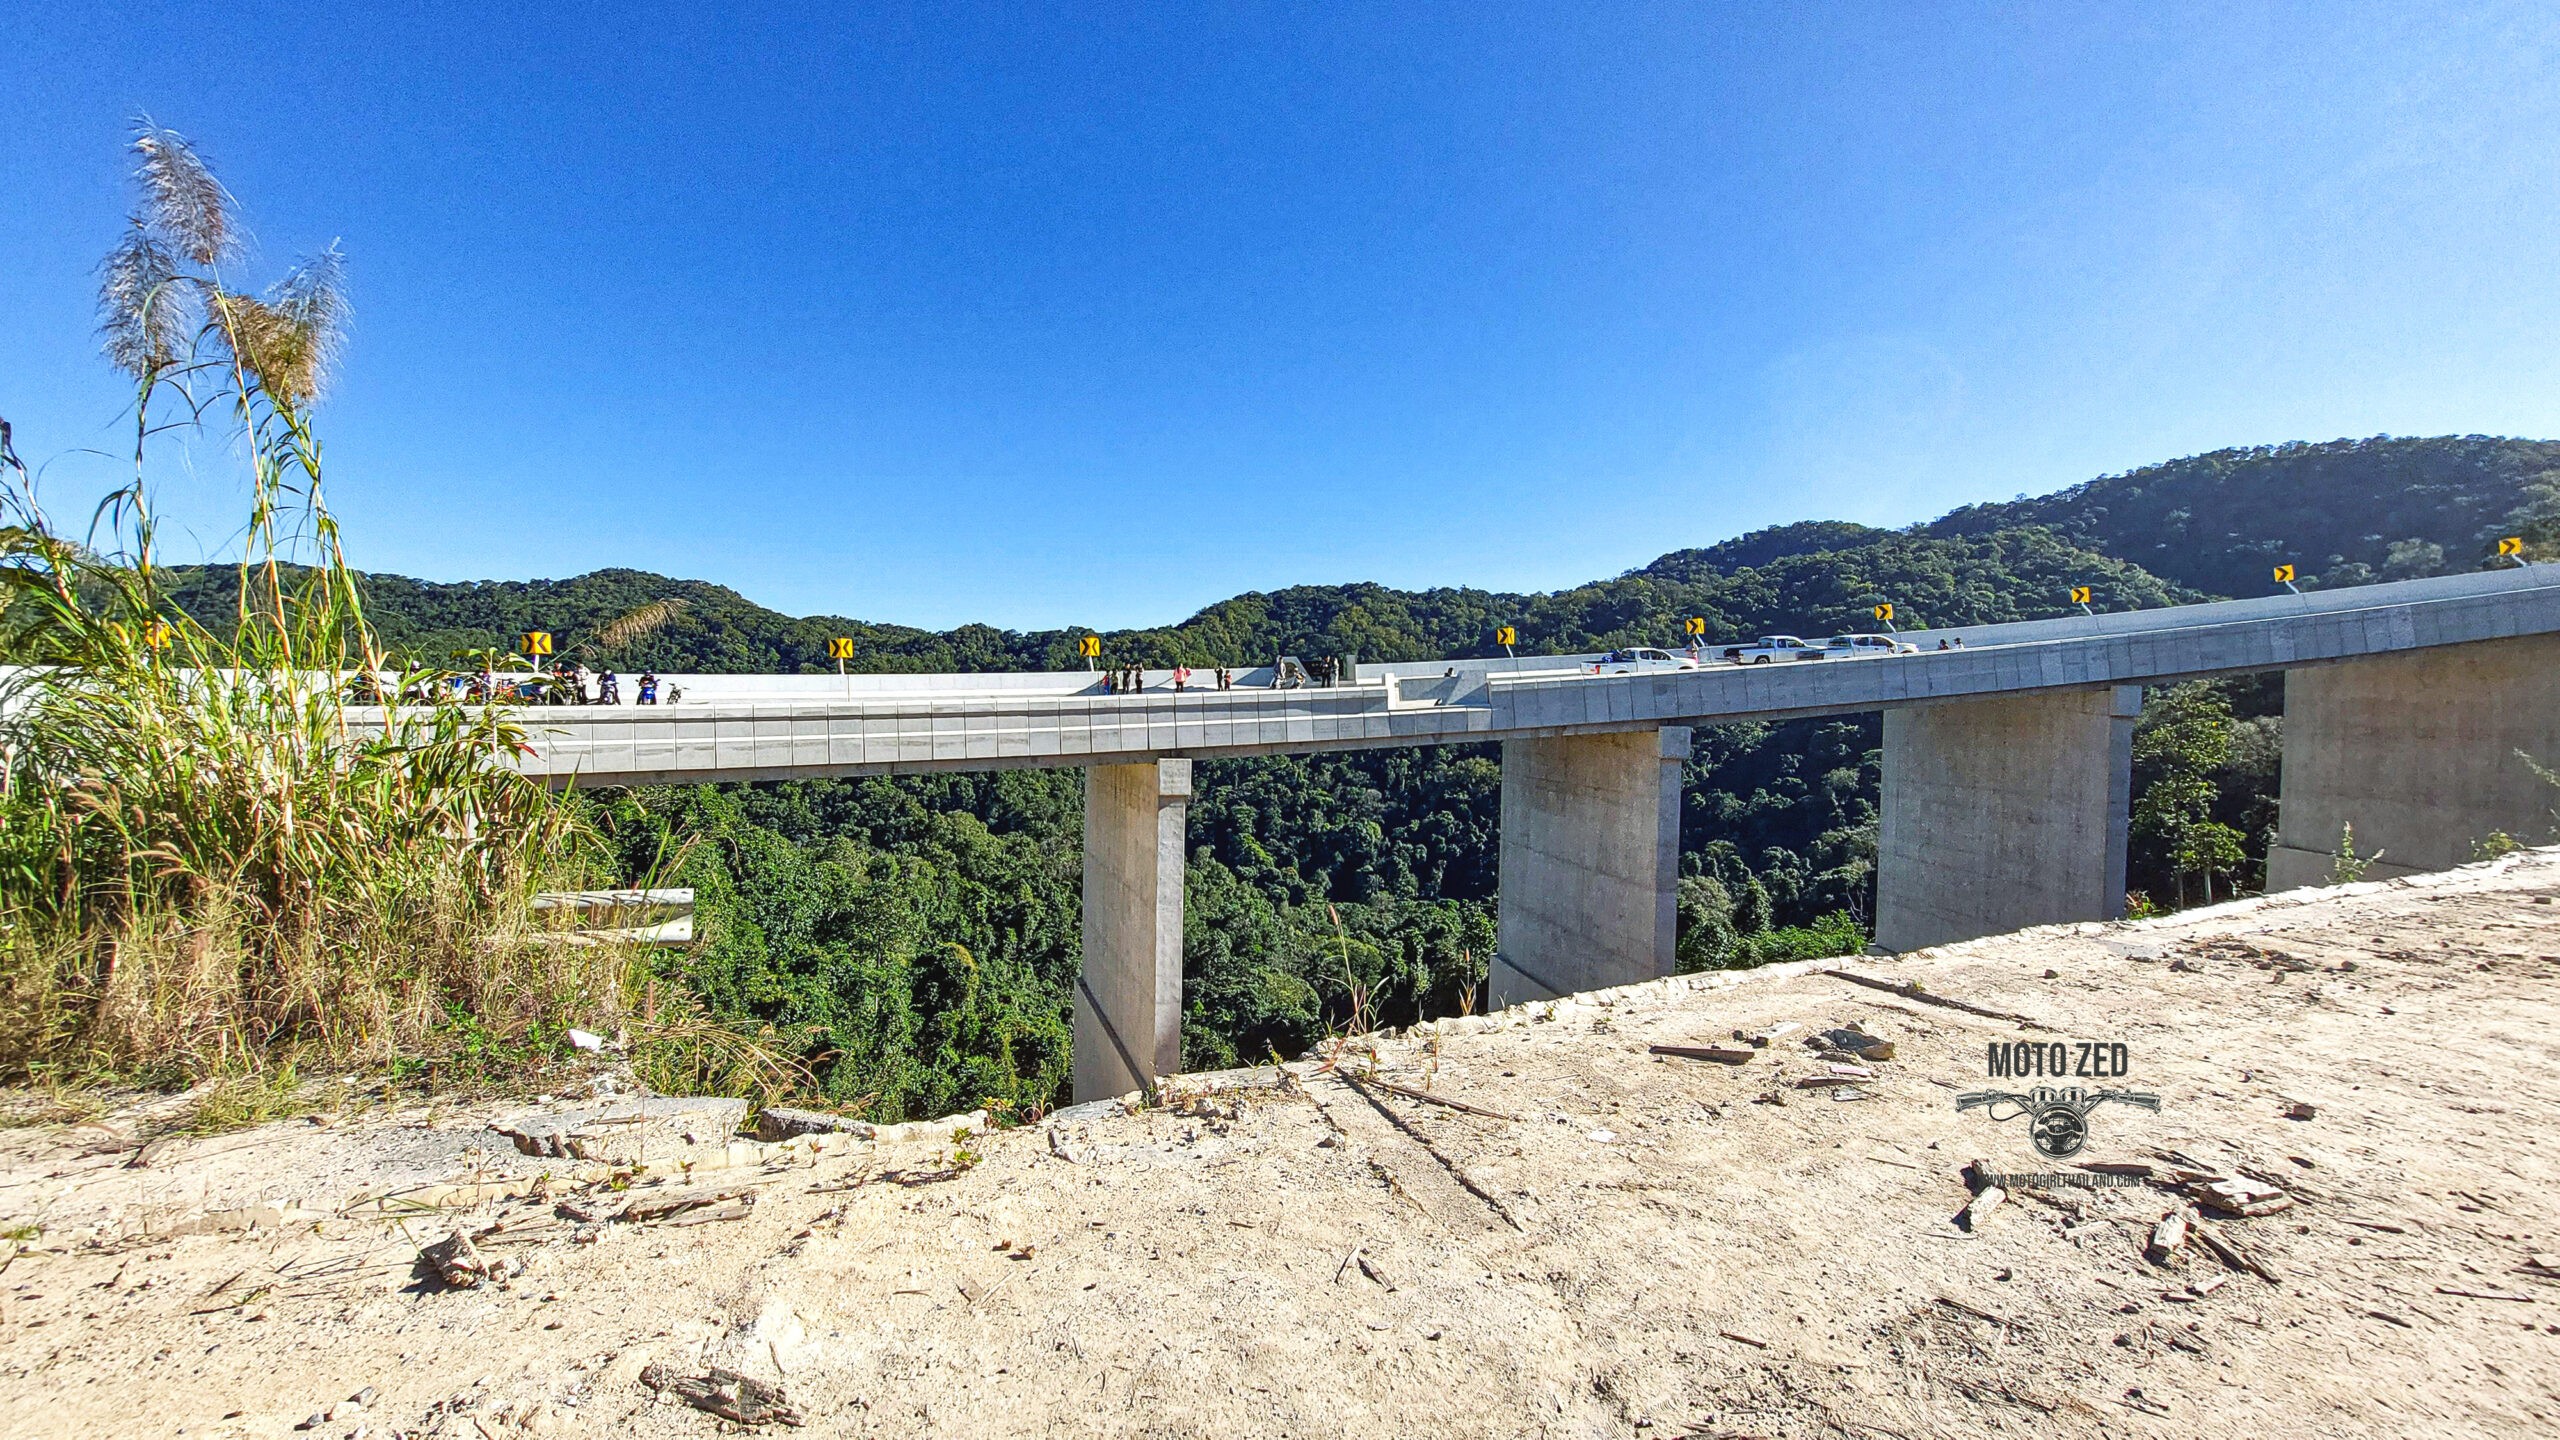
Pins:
<point x="211" y="858"/>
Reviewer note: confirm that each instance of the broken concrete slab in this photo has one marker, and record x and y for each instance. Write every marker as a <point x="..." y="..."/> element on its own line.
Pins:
<point x="783" y="1122"/>
<point x="627" y="1132"/>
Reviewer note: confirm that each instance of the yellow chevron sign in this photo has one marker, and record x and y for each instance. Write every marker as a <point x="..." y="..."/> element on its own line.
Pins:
<point x="2511" y="545"/>
<point x="157" y="634"/>
<point x="1089" y="647"/>
<point x="1506" y="636"/>
<point x="840" y="648"/>
<point x="2079" y="594"/>
<point x="2284" y="574"/>
<point x="537" y="642"/>
<point x="1695" y="626"/>
<point x="1885" y="611"/>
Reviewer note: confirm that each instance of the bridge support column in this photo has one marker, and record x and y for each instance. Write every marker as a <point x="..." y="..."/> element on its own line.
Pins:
<point x="1590" y="853"/>
<point x="1129" y="997"/>
<point x="2000" y="814"/>
<point x="2418" y="752"/>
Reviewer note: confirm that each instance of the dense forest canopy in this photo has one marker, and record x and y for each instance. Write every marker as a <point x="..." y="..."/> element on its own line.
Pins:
<point x="917" y="938"/>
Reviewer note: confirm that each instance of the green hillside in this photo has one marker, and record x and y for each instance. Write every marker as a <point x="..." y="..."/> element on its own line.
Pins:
<point x="1962" y="579"/>
<point x="2344" y="512"/>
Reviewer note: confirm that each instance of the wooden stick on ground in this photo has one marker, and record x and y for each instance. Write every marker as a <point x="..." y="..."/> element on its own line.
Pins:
<point x="1722" y="1054"/>
<point x="1410" y="1093"/>
<point x="1910" y="990"/>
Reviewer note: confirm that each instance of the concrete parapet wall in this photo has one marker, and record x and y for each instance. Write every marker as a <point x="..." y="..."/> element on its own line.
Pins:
<point x="1590" y="855"/>
<point x="2419" y="753"/>
<point x="2001" y="814"/>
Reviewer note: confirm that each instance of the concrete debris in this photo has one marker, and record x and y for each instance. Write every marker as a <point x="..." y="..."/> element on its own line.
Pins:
<point x="2232" y="1195"/>
<point x="1762" y="1039"/>
<point x="782" y="1122"/>
<point x="1988" y="1199"/>
<point x="2168" y="1237"/>
<point x="655" y="1131"/>
<point x="456" y="1261"/>
<point x="2300" y="1110"/>
<point x="725" y="1393"/>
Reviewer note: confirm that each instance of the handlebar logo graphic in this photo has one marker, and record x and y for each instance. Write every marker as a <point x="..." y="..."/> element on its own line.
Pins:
<point x="2057" y="1120"/>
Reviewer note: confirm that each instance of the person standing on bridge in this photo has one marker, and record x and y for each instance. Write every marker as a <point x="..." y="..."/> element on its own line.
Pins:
<point x="1181" y="677"/>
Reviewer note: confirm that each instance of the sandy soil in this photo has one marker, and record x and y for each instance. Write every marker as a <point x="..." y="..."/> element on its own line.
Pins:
<point x="1633" y="1245"/>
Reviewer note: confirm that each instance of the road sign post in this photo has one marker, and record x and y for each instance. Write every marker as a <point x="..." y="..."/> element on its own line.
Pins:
<point x="2080" y="597"/>
<point x="1506" y="637"/>
<point x="2284" y="577"/>
<point x="1884" y="613"/>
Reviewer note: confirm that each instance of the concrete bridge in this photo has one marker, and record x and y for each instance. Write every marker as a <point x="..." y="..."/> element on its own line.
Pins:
<point x="2007" y="767"/>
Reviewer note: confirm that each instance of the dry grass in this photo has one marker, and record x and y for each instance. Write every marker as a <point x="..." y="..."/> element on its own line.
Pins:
<point x="212" y="861"/>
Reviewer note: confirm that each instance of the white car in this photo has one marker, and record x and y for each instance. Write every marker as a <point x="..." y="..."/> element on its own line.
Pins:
<point x="1774" y="647"/>
<point x="1853" y="647"/>
<point x="1641" y="659"/>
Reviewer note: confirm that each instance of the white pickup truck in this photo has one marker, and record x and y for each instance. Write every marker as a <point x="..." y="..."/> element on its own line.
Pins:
<point x="1773" y="647"/>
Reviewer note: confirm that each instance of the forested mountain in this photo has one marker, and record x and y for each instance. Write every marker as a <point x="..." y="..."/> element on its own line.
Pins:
<point x="921" y="934"/>
<point x="633" y="619"/>
<point x="2345" y="512"/>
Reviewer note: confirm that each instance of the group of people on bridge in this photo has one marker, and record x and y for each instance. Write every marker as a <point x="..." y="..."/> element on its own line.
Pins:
<point x="1132" y="679"/>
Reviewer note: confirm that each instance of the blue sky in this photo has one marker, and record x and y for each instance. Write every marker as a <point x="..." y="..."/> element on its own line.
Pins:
<point x="1093" y="315"/>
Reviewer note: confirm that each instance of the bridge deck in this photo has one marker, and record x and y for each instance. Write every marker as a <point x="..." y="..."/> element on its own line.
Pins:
<point x="786" y="727"/>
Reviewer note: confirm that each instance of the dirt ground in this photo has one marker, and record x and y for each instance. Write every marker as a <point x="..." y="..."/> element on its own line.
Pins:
<point x="1630" y="1244"/>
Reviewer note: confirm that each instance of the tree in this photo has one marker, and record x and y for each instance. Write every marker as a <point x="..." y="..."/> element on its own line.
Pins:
<point x="1706" y="929"/>
<point x="2180" y="745"/>
<point x="2209" y="848"/>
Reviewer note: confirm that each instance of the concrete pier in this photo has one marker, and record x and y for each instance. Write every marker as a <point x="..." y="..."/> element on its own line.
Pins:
<point x="2418" y="752"/>
<point x="1590" y="855"/>
<point x="2000" y="814"/>
<point x="1129" y="996"/>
